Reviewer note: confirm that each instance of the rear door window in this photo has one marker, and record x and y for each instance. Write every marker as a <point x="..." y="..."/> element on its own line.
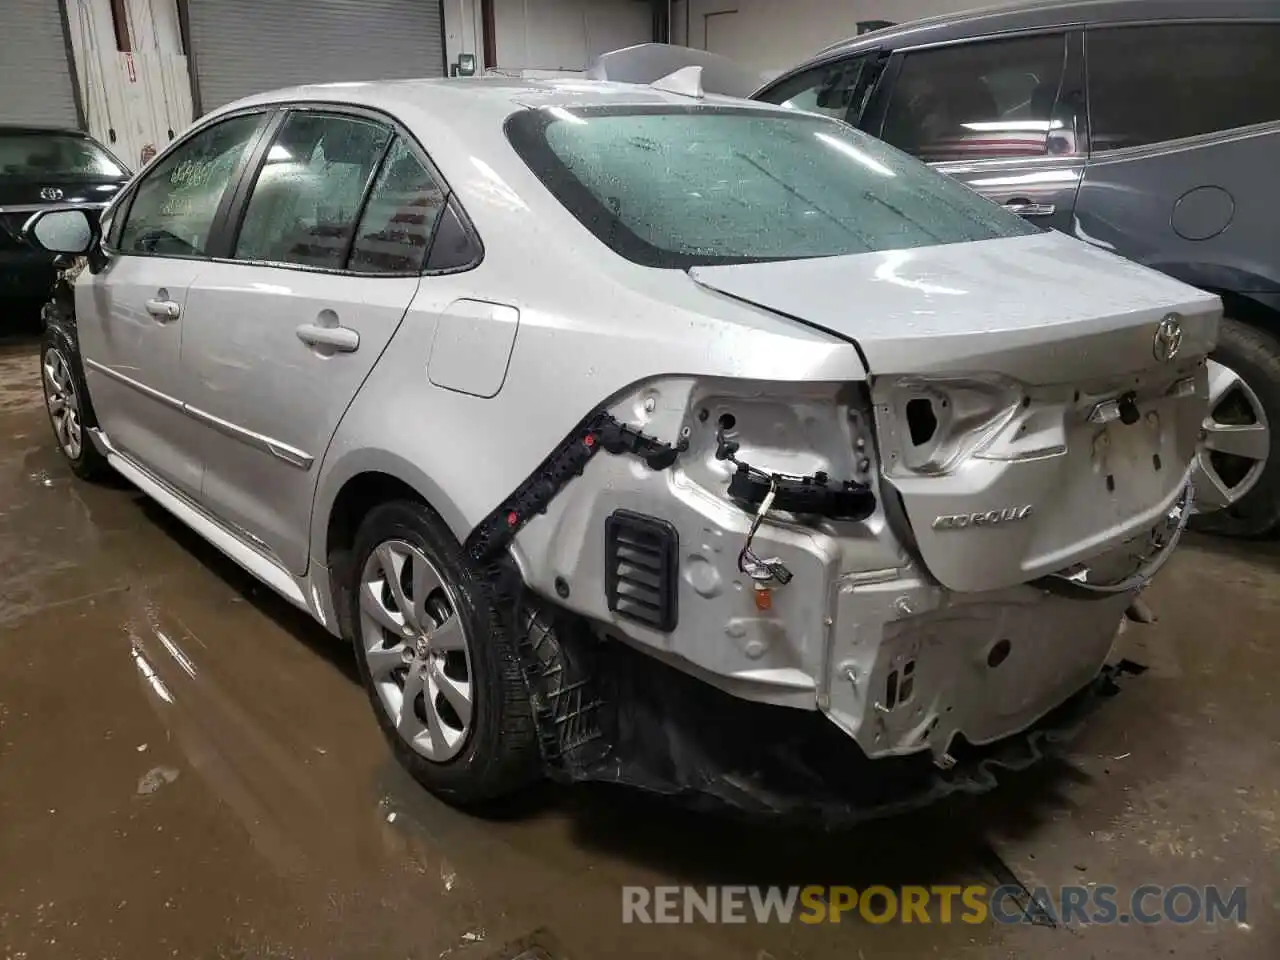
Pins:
<point x="1149" y="84"/>
<point x="307" y="198"/>
<point x="974" y="101"/>
<point x="399" y="217"/>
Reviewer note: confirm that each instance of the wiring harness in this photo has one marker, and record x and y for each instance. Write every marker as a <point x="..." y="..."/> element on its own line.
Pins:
<point x="760" y="492"/>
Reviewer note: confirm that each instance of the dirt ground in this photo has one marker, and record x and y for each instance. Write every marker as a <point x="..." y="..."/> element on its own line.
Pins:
<point x="189" y="768"/>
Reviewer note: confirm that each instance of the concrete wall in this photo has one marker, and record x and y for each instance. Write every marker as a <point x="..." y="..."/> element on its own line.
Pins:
<point x="771" y="35"/>
<point x="133" y="101"/>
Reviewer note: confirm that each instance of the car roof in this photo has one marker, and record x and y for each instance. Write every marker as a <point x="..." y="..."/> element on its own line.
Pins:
<point x="1034" y="14"/>
<point x="461" y="124"/>
<point x="480" y="100"/>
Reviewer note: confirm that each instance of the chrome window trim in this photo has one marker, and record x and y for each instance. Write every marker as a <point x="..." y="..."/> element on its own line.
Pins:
<point x="1014" y="34"/>
<point x="1159" y="147"/>
<point x="1006" y="163"/>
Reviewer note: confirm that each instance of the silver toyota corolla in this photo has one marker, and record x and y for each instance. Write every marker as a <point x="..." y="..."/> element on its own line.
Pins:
<point x="532" y="389"/>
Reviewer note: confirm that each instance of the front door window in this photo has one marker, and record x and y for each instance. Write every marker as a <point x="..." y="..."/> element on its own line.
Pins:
<point x="174" y="207"/>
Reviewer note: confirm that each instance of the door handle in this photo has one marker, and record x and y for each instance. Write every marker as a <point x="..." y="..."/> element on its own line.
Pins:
<point x="1025" y="208"/>
<point x="342" y="339"/>
<point x="164" y="310"/>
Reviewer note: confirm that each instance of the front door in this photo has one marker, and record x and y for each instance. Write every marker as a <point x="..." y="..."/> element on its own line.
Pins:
<point x="326" y="261"/>
<point x="131" y="313"/>
<point x="1005" y="116"/>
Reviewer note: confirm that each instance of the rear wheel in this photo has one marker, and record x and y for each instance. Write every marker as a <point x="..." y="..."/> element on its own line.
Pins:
<point x="1237" y="477"/>
<point x="67" y="400"/>
<point x="440" y="669"/>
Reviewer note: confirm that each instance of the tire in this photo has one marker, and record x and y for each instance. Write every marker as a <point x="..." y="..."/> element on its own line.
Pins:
<point x="1254" y="355"/>
<point x="60" y="361"/>
<point x="498" y="754"/>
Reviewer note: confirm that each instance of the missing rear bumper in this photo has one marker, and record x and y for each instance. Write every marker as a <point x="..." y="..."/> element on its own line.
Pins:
<point x="607" y="713"/>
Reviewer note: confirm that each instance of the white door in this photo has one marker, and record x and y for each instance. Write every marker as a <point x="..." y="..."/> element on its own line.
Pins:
<point x="131" y="313"/>
<point x="278" y="342"/>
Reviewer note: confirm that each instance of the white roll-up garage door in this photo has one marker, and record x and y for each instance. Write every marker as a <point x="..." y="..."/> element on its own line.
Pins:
<point x="36" y="84"/>
<point x="240" y="47"/>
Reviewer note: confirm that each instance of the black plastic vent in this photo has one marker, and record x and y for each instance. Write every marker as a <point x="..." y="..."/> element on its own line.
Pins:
<point x="642" y="557"/>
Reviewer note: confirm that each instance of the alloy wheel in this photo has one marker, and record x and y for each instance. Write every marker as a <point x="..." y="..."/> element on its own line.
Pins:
<point x="1236" y="442"/>
<point x="63" y="402"/>
<point x="417" y="650"/>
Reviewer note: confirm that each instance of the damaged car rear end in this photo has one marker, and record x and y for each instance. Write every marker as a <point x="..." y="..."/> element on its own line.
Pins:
<point x="933" y="550"/>
<point x="683" y="442"/>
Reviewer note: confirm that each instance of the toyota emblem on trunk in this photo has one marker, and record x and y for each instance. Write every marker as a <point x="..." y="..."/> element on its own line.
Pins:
<point x="50" y="193"/>
<point x="1168" y="338"/>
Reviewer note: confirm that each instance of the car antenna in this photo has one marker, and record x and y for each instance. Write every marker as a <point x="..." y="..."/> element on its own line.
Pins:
<point x="685" y="82"/>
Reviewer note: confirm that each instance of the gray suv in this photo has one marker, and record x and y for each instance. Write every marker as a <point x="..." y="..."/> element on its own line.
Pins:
<point x="1146" y="127"/>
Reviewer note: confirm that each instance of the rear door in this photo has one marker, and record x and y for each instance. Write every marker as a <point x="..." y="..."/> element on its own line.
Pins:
<point x="279" y="337"/>
<point x="1005" y="116"/>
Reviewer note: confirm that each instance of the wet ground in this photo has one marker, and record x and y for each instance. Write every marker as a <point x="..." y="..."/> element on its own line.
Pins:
<point x="189" y="768"/>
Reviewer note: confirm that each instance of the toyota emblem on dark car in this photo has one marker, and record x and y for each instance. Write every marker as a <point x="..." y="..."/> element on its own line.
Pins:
<point x="50" y="193"/>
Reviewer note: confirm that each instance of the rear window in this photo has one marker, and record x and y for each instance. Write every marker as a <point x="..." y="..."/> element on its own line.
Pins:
<point x="689" y="186"/>
<point x="54" y="155"/>
<point x="1152" y="83"/>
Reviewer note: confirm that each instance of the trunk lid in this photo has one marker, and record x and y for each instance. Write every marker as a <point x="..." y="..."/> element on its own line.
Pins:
<point x="1041" y="309"/>
<point x="1029" y="409"/>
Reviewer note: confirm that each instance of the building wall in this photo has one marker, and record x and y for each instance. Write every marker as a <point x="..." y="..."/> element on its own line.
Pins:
<point x="134" y="102"/>
<point x="564" y="35"/>
<point x="546" y="37"/>
<point x="772" y="35"/>
<point x="463" y="31"/>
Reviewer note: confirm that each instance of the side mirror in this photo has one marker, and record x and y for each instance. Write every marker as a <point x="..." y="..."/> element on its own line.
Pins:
<point x="69" y="230"/>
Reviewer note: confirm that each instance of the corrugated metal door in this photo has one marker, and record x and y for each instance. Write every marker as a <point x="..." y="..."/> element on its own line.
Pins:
<point x="36" y="84"/>
<point x="239" y="47"/>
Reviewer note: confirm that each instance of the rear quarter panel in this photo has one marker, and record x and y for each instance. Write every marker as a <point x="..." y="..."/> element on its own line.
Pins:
<point x="1199" y="210"/>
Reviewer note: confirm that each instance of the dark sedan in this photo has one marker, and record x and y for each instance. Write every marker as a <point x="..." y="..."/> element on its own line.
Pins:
<point x="44" y="167"/>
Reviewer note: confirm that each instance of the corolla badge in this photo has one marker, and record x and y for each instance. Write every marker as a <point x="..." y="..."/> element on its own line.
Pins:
<point x="1168" y="338"/>
<point x="987" y="518"/>
<point x="50" y="193"/>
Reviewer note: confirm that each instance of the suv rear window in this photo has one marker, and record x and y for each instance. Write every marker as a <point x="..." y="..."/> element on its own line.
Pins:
<point x="688" y="186"/>
<point x="1148" y="84"/>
